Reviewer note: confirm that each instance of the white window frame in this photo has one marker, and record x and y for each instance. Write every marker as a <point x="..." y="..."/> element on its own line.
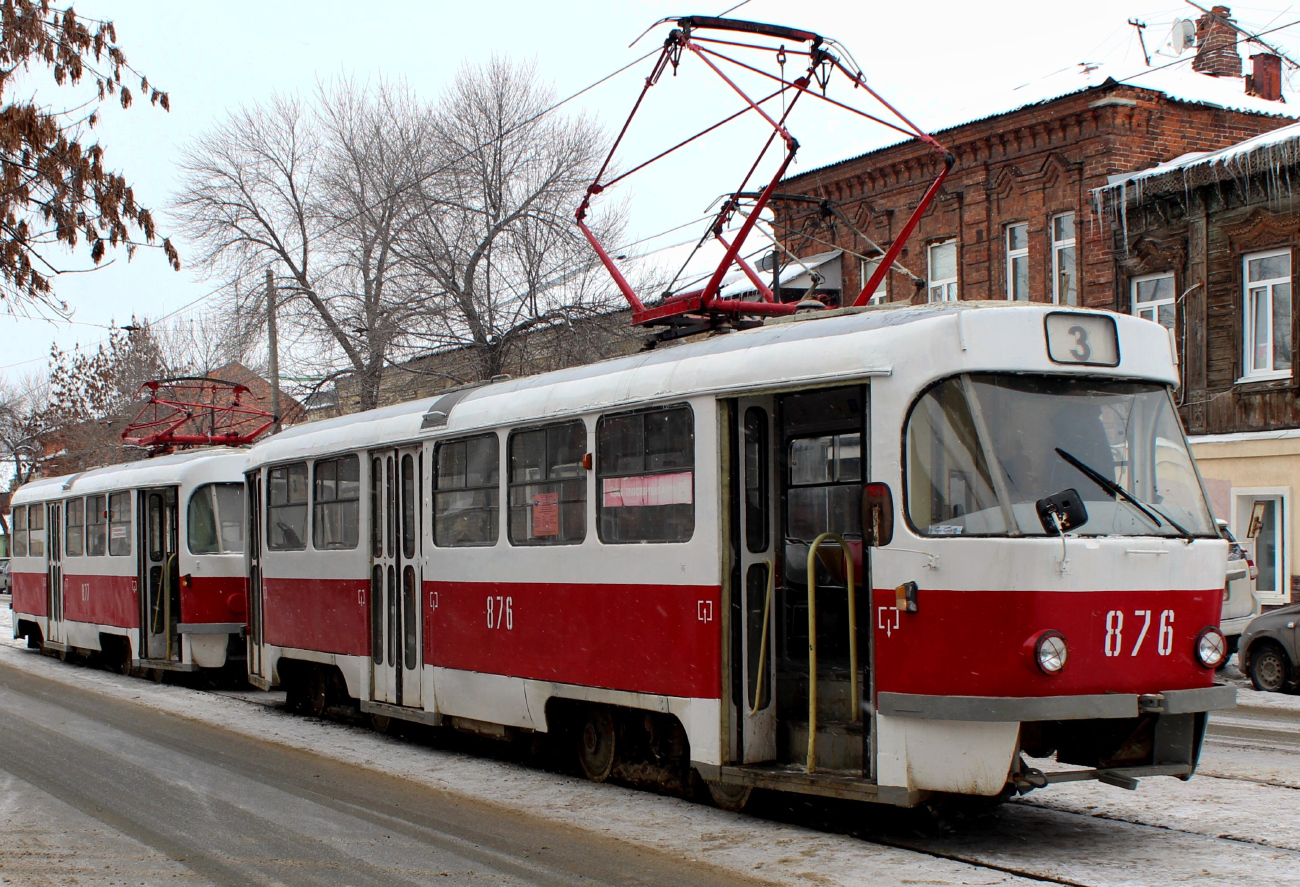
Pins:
<point x="947" y="285"/>
<point x="1012" y="255"/>
<point x="1283" y="497"/>
<point x="1136" y="308"/>
<point x="1248" y="373"/>
<point x="868" y="267"/>
<point x="1059" y="246"/>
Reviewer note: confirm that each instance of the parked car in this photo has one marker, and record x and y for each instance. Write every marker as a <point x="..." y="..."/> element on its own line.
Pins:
<point x="1270" y="649"/>
<point x="1240" y="605"/>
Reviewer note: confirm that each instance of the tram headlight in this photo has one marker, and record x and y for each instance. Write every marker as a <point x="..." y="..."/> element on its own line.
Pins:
<point x="1050" y="651"/>
<point x="1211" y="647"/>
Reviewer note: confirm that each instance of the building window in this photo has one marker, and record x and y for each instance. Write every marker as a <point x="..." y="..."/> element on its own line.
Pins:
<point x="336" y="504"/>
<point x="646" y="470"/>
<point x="1261" y="525"/>
<point x="1153" y="299"/>
<point x="36" y="531"/>
<point x="1018" y="261"/>
<point x="119" y="524"/>
<point x="286" y="507"/>
<point x="881" y="295"/>
<point x="943" y="271"/>
<point x="216" y="519"/>
<point x="1065" y="285"/>
<point x="467" y="491"/>
<point x="96" y="526"/>
<point x="20" y="531"/>
<point x="548" y="485"/>
<point x="1268" y="314"/>
<point x="74" y="511"/>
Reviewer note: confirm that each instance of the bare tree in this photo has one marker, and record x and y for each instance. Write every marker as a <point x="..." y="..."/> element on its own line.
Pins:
<point x="495" y="233"/>
<point x="23" y="421"/>
<point x="319" y="193"/>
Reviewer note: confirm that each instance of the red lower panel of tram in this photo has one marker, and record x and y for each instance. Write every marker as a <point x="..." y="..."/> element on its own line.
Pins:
<point x="981" y="643"/>
<point x="660" y="639"/>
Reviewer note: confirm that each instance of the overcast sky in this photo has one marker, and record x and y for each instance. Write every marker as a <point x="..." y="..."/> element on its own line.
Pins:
<point x="933" y="59"/>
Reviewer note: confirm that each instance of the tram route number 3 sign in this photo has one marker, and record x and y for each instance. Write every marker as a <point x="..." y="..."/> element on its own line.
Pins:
<point x="546" y="514"/>
<point x="1139" y="628"/>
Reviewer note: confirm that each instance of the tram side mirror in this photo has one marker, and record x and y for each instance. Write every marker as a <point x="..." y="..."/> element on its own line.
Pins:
<point x="1061" y="512"/>
<point x="877" y="515"/>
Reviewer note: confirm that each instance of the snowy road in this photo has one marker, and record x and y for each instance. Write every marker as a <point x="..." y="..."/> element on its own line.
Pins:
<point x="1234" y="823"/>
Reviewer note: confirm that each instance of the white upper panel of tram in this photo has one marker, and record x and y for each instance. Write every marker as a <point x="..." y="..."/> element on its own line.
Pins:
<point x="189" y="468"/>
<point x="910" y="345"/>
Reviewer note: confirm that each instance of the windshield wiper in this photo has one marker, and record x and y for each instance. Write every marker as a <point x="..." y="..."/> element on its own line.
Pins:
<point x="1118" y="492"/>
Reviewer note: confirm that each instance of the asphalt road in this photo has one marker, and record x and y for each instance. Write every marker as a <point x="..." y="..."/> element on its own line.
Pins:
<point x="1251" y="726"/>
<point x="98" y="791"/>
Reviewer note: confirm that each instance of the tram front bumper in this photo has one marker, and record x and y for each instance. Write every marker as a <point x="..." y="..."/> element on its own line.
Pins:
<point x="1054" y="708"/>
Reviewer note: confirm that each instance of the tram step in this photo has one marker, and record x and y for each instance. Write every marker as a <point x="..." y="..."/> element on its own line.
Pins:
<point x="839" y="744"/>
<point x="834" y="695"/>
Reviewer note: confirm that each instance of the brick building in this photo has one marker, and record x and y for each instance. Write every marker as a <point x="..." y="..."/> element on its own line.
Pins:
<point x="1207" y="245"/>
<point x="1014" y="218"/>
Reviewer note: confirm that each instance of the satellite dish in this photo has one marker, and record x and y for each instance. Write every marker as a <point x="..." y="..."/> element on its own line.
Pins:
<point x="1183" y="36"/>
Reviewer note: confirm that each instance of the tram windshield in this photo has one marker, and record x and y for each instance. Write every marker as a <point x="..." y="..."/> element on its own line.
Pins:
<point x="983" y="448"/>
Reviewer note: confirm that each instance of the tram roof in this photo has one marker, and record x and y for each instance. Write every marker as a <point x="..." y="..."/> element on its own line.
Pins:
<point x="211" y="464"/>
<point x="840" y="346"/>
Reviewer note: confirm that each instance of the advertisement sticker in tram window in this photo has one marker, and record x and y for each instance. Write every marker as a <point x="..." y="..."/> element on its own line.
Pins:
<point x="546" y="514"/>
<point x="1088" y="339"/>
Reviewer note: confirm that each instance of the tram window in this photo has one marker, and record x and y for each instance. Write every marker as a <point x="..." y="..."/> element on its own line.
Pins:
<point x="645" y="465"/>
<point x="548" y="485"/>
<point x="96" y="526"/>
<point x="825" y="486"/>
<point x="756" y="480"/>
<point x="408" y="506"/>
<point x="20" y="531"/>
<point x="119" y="523"/>
<point x="36" y="531"/>
<point x="286" y="507"/>
<point x="376" y="508"/>
<point x="215" y="519"/>
<point x="948" y="474"/>
<point x="74" y="511"/>
<point x="467" y="492"/>
<point x="336" y="504"/>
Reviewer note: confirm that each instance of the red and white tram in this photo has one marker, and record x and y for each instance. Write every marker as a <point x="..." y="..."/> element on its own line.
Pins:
<point x="625" y="551"/>
<point x="85" y="545"/>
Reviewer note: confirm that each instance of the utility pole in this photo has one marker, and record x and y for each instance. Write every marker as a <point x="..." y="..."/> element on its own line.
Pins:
<point x="273" y="349"/>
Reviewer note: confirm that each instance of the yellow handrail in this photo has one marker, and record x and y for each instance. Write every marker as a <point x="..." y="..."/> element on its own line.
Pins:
<point x="812" y="637"/>
<point x="167" y="599"/>
<point x="762" y="648"/>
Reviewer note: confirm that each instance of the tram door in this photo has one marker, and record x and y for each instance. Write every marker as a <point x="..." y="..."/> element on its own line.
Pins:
<point x="756" y="585"/>
<point x="396" y="614"/>
<point x="160" y="566"/>
<point x="54" y="578"/>
<point x="254" y="499"/>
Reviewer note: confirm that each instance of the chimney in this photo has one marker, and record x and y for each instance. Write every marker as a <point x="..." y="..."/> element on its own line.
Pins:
<point x="1216" y="44"/>
<point x="1265" y="80"/>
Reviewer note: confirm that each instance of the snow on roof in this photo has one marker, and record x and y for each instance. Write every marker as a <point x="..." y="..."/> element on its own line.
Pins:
<point x="1175" y="80"/>
<point x="794" y="274"/>
<point x="1262" y="153"/>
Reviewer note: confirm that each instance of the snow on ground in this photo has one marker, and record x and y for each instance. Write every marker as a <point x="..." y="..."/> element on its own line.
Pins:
<point x="779" y="853"/>
<point x="1209" y="830"/>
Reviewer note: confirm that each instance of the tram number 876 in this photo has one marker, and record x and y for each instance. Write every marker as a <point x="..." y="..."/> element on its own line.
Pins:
<point x="500" y="612"/>
<point x="1115" y="631"/>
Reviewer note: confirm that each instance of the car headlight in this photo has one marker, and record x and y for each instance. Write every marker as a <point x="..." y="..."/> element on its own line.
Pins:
<point x="1051" y="652"/>
<point x="1211" y="647"/>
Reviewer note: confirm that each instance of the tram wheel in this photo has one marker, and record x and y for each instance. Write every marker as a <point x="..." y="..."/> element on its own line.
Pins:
<point x="729" y="796"/>
<point x="597" y="744"/>
<point x="381" y="723"/>
<point x="318" y="693"/>
<point x="1269" y="668"/>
